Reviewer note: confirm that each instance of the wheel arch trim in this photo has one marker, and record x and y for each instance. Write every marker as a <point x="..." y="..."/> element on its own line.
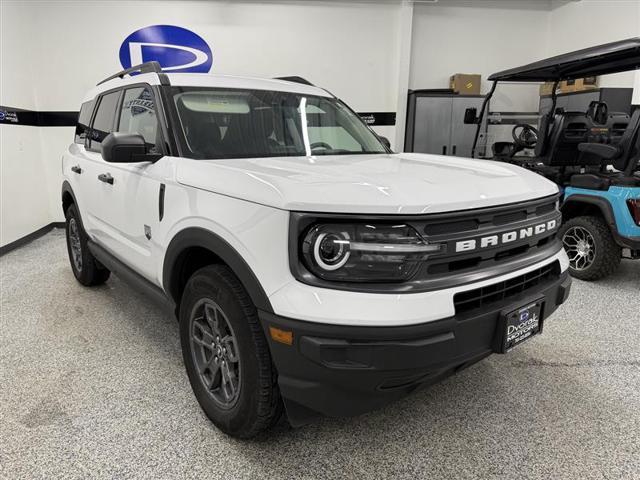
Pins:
<point x="67" y="189"/>
<point x="602" y="203"/>
<point x="199" y="237"/>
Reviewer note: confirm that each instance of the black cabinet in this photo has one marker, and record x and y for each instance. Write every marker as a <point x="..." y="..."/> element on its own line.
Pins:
<point x="435" y="123"/>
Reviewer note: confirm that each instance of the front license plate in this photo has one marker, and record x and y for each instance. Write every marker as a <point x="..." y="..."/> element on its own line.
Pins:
<point x="521" y="324"/>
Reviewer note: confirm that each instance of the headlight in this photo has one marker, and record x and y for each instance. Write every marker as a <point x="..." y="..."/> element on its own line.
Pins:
<point x="365" y="252"/>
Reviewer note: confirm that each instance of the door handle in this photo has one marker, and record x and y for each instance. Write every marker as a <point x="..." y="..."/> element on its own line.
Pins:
<point x="106" y="178"/>
<point x="76" y="169"/>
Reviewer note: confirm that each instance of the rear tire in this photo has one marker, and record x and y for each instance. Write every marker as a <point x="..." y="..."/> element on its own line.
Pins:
<point x="87" y="270"/>
<point x="226" y="354"/>
<point x="593" y="253"/>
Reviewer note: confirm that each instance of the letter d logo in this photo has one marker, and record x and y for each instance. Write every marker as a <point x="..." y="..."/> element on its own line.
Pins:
<point x="175" y="48"/>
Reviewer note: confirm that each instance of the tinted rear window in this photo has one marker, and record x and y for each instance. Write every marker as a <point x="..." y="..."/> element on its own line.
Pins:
<point x="103" y="121"/>
<point x="82" y="127"/>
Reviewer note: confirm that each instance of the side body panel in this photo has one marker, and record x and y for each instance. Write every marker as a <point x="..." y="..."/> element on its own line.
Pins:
<point x="257" y="233"/>
<point x="74" y="171"/>
<point x="130" y="213"/>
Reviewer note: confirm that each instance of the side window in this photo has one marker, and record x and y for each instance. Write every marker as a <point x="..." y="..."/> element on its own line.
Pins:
<point x="138" y="115"/>
<point x="103" y="121"/>
<point x="82" y="127"/>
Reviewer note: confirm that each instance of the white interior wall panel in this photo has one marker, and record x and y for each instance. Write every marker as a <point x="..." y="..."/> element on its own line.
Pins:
<point x="575" y="25"/>
<point x="478" y="37"/>
<point x="24" y="201"/>
<point x="24" y="198"/>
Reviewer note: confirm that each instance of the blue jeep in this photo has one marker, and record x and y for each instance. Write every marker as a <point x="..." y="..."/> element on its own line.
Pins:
<point x="593" y="156"/>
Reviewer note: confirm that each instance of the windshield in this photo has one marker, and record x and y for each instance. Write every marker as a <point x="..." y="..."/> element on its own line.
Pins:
<point x="226" y="123"/>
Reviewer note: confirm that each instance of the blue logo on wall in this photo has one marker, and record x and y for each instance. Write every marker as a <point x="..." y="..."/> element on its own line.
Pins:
<point x="175" y="48"/>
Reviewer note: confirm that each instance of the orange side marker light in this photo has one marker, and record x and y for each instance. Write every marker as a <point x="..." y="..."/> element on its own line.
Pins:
<point x="281" y="336"/>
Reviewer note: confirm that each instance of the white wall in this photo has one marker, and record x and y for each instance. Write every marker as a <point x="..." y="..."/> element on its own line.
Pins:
<point x="24" y="199"/>
<point x="458" y="36"/>
<point x="583" y="24"/>
<point x="486" y="36"/>
<point x="590" y="16"/>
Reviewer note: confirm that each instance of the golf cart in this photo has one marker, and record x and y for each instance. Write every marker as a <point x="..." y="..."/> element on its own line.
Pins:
<point x="593" y="156"/>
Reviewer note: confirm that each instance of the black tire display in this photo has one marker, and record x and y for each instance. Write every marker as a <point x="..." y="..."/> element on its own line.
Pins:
<point x="87" y="270"/>
<point x="226" y="355"/>
<point x="592" y="251"/>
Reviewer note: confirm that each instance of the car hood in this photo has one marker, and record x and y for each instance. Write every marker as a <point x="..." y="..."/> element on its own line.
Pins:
<point x="401" y="183"/>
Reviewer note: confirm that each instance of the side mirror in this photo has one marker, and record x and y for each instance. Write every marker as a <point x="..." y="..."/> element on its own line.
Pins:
<point x="386" y="142"/>
<point x="471" y="116"/>
<point x="120" y="147"/>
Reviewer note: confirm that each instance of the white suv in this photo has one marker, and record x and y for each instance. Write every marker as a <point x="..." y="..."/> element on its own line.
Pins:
<point x="309" y="266"/>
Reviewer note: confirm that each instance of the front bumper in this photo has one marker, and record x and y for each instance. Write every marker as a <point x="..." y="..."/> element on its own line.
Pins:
<point x="338" y="370"/>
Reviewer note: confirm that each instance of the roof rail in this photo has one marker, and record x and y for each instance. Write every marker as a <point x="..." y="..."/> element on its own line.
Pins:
<point x="147" y="67"/>
<point x="295" y="79"/>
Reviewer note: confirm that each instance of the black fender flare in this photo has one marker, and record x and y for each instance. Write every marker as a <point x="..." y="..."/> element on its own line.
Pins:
<point x="66" y="188"/>
<point x="199" y="237"/>
<point x="603" y="205"/>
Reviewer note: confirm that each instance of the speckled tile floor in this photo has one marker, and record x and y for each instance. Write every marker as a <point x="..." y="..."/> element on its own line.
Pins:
<point x="92" y="385"/>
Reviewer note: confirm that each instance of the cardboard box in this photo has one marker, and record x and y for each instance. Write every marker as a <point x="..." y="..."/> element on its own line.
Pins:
<point x="567" y="86"/>
<point x="578" y="85"/>
<point x="465" y="83"/>
<point x="546" y="88"/>
<point x="586" y="83"/>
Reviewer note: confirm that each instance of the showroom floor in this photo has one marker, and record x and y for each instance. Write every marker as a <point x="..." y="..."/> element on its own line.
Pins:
<point x="92" y="385"/>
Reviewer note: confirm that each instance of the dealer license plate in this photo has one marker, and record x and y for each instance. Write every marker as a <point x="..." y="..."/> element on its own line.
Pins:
<point x="521" y="325"/>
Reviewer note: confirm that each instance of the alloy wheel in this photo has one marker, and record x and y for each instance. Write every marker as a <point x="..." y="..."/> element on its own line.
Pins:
<point x="76" y="246"/>
<point x="580" y="247"/>
<point x="215" y="352"/>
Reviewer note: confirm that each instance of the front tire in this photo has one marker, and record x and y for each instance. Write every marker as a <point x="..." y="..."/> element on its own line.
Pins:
<point x="87" y="270"/>
<point x="592" y="251"/>
<point x="226" y="354"/>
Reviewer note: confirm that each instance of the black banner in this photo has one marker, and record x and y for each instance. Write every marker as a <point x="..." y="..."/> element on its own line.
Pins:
<point x="376" y="119"/>
<point x="19" y="116"/>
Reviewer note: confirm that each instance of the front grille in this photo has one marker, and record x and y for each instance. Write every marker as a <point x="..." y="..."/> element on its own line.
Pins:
<point x="475" y="224"/>
<point x="485" y="296"/>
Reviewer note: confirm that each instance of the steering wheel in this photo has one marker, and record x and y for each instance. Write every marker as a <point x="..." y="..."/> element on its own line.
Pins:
<point x="324" y="145"/>
<point x="527" y="137"/>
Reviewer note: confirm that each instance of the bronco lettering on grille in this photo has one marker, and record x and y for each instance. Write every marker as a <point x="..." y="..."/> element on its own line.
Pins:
<point x="506" y="237"/>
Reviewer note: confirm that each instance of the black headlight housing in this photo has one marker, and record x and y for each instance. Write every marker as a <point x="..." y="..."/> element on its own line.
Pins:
<point x="357" y="250"/>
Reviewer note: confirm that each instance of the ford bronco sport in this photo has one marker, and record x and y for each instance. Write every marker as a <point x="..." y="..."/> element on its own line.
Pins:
<point x="311" y="269"/>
